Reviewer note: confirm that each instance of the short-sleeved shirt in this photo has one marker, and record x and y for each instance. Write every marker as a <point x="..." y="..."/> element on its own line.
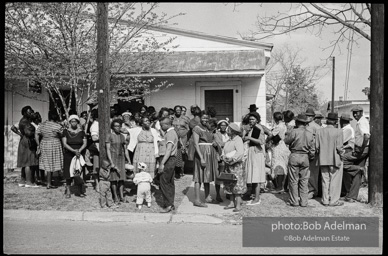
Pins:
<point x="362" y="128"/>
<point x="172" y="137"/>
<point x="94" y="128"/>
<point x="348" y="134"/>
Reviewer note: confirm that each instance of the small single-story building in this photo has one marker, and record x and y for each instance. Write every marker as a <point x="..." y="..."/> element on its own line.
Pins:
<point x="345" y="107"/>
<point x="208" y="70"/>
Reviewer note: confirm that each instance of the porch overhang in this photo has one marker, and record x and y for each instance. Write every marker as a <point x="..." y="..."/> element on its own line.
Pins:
<point x="234" y="63"/>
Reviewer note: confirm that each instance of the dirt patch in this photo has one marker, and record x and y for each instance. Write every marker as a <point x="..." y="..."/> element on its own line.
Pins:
<point x="16" y="197"/>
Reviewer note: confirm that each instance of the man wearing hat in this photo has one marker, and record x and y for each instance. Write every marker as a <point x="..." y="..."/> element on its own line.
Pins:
<point x="301" y="145"/>
<point x="312" y="126"/>
<point x="318" y="118"/>
<point x="352" y="173"/>
<point x="361" y="135"/>
<point x="330" y="151"/>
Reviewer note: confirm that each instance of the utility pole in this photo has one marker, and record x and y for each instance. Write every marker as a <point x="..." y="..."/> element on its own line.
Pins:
<point x="103" y="85"/>
<point x="376" y="148"/>
<point x="332" y="87"/>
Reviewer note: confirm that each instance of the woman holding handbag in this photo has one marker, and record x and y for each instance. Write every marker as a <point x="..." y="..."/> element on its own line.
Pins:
<point x="74" y="142"/>
<point x="232" y="155"/>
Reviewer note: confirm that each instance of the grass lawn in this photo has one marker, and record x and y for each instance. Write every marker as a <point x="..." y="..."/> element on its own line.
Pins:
<point x="16" y="197"/>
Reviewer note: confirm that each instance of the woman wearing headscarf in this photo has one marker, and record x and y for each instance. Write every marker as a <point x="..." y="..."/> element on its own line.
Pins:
<point x="50" y="149"/>
<point x="74" y="142"/>
<point x="221" y="137"/>
<point x="232" y="155"/>
<point x="255" y="164"/>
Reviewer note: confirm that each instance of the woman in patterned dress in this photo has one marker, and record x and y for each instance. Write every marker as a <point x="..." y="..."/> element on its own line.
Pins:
<point x="117" y="155"/>
<point x="205" y="160"/>
<point x="50" y="149"/>
<point x="181" y="126"/>
<point x="279" y="152"/>
<point x="255" y="163"/>
<point x="147" y="147"/>
<point x="221" y="137"/>
<point x="234" y="164"/>
<point x="74" y="142"/>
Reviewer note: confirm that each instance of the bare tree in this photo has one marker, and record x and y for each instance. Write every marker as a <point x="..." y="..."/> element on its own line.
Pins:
<point x="316" y="17"/>
<point x="285" y="72"/>
<point x="55" y="44"/>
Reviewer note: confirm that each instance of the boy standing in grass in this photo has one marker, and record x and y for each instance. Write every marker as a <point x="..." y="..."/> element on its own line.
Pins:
<point x="104" y="186"/>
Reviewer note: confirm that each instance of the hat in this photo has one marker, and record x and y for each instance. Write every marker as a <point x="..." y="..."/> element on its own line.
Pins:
<point x="332" y="116"/>
<point x="318" y="114"/>
<point x="73" y="117"/>
<point x="126" y="113"/>
<point x="302" y="118"/>
<point x="253" y="107"/>
<point x="129" y="167"/>
<point x="141" y="166"/>
<point x="223" y="121"/>
<point x="357" y="108"/>
<point x="234" y="127"/>
<point x="346" y="117"/>
<point x="310" y="112"/>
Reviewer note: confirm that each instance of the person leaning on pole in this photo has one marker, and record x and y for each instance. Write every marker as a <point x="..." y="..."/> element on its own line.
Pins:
<point x="362" y="136"/>
<point x="302" y="147"/>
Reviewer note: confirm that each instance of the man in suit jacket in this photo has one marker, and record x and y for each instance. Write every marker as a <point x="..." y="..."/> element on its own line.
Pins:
<point x="313" y="127"/>
<point x="329" y="145"/>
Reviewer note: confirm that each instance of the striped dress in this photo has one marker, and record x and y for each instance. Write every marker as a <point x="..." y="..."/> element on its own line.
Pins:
<point x="51" y="156"/>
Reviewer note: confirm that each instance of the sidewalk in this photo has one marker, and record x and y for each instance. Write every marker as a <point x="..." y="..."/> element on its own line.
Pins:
<point x="186" y="212"/>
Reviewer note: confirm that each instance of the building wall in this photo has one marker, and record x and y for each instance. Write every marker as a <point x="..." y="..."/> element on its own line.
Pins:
<point x="184" y="92"/>
<point x="347" y="109"/>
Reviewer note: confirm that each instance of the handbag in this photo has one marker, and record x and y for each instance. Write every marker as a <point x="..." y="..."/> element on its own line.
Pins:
<point x="276" y="139"/>
<point x="227" y="177"/>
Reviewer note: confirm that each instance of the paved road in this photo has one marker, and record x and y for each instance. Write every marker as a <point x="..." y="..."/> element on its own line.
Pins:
<point x="80" y="237"/>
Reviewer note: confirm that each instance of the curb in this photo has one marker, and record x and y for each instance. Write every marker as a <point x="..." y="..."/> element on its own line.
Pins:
<point x="127" y="217"/>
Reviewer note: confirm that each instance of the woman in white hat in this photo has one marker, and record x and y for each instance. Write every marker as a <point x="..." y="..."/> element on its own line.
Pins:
<point x="74" y="142"/>
<point x="233" y="153"/>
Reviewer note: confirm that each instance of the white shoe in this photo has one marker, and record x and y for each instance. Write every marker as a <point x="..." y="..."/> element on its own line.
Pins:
<point x="31" y="186"/>
<point x="139" y="207"/>
<point x="21" y="184"/>
<point x="148" y="205"/>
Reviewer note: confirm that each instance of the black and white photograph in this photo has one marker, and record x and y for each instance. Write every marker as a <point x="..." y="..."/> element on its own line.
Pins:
<point x="193" y="128"/>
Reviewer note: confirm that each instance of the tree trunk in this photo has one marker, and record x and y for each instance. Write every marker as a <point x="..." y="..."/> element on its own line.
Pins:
<point x="375" y="170"/>
<point x="103" y="76"/>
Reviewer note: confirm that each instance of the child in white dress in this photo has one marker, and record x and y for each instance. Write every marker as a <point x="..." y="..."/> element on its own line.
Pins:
<point x="143" y="181"/>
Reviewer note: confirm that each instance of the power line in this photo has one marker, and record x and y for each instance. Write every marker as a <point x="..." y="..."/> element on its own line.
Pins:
<point x="348" y="62"/>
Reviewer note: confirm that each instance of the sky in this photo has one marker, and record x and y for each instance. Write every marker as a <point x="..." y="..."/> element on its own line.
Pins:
<point x="229" y="20"/>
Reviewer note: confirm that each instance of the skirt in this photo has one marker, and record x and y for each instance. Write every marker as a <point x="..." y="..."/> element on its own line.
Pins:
<point x="255" y="166"/>
<point x="51" y="156"/>
<point x="145" y="152"/>
<point x="239" y="186"/>
<point x="279" y="160"/>
<point x="27" y="153"/>
<point x="208" y="173"/>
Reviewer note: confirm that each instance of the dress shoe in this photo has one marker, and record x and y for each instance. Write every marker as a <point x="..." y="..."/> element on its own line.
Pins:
<point x="199" y="204"/>
<point x="168" y="209"/>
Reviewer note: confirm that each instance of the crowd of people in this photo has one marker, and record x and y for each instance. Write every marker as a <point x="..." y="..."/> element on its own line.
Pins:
<point x="298" y="154"/>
